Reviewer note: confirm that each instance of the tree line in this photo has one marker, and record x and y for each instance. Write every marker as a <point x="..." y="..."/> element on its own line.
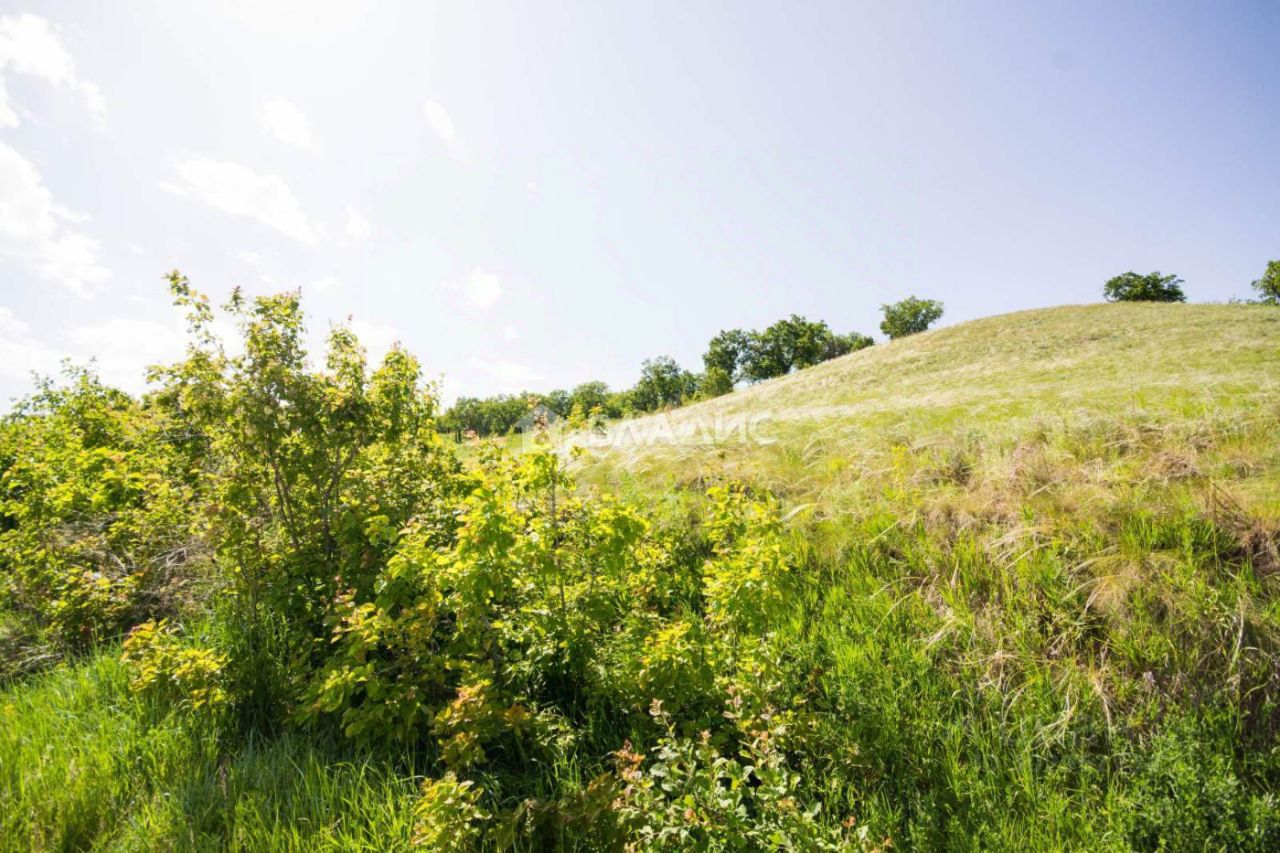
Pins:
<point x="745" y="356"/>
<point x="1156" y="287"/>
<point x="733" y="357"/>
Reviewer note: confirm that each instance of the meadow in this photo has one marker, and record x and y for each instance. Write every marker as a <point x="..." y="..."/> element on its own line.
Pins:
<point x="1011" y="584"/>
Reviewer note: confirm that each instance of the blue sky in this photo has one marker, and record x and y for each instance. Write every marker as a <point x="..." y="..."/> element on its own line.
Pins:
<point x="539" y="194"/>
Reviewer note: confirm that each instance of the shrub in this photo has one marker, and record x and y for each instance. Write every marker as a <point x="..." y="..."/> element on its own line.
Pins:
<point x="909" y="316"/>
<point x="313" y="474"/>
<point x="747" y="579"/>
<point x="448" y="815"/>
<point x="689" y="795"/>
<point x="172" y="673"/>
<point x="1152" y="287"/>
<point x="95" y="496"/>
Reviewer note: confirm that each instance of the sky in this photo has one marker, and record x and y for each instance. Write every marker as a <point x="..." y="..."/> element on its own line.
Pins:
<point x="538" y="194"/>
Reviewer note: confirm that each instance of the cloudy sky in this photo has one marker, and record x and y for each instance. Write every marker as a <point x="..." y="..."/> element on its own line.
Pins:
<point x="535" y="194"/>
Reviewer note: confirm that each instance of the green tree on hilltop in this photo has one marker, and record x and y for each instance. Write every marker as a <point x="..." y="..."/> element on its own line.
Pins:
<point x="909" y="316"/>
<point x="662" y="383"/>
<point x="1152" y="287"/>
<point x="1268" y="286"/>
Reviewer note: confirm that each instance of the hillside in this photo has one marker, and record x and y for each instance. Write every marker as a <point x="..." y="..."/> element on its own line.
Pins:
<point x="1013" y="584"/>
<point x="1164" y="376"/>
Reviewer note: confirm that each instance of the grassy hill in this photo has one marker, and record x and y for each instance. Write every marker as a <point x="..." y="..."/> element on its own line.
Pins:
<point x="1136" y="382"/>
<point x="1044" y="534"/>
<point x="1038" y="607"/>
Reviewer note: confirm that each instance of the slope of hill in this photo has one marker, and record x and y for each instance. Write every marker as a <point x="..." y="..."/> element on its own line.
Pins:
<point x="1042" y="538"/>
<point x="1022" y="580"/>
<point x="1190" y="385"/>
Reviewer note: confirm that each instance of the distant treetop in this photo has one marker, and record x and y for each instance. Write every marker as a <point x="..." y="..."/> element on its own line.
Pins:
<point x="909" y="316"/>
<point x="1152" y="287"/>
<point x="1268" y="286"/>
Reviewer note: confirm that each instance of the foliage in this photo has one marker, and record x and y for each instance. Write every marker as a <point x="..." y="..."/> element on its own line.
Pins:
<point x="663" y="383"/>
<point x="691" y="796"/>
<point x="747" y="580"/>
<point x="789" y="344"/>
<point x="173" y="673"/>
<point x="909" y="316"/>
<point x="447" y="816"/>
<point x="499" y="415"/>
<point x="727" y="353"/>
<point x="1152" y="287"/>
<point x="715" y="383"/>
<point x="312" y="473"/>
<point x="593" y="397"/>
<point x="488" y="416"/>
<point x="1268" y="287"/>
<point x="1024" y="633"/>
<point x="95" y="527"/>
<point x="732" y="356"/>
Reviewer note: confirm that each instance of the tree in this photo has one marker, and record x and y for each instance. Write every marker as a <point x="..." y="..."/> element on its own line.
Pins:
<point x="590" y="396"/>
<point x="715" y="382"/>
<point x="486" y="416"/>
<point x="1152" y="287"/>
<point x="662" y="383"/>
<point x="1268" y="286"/>
<point x="768" y="354"/>
<point x="909" y="316"/>
<point x="845" y="344"/>
<point x="793" y="344"/>
<point x="558" y="401"/>
<point x="726" y="352"/>
<point x="810" y="342"/>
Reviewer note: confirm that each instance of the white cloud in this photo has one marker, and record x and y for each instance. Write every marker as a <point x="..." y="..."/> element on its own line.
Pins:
<point x="288" y="123"/>
<point x="358" y="227"/>
<point x="11" y="326"/>
<point x="441" y="123"/>
<point x="509" y="333"/>
<point x="20" y="355"/>
<point x="376" y="338"/>
<point x="325" y="284"/>
<point x="510" y="375"/>
<point x="240" y="191"/>
<point x="30" y="45"/>
<point x="250" y="258"/>
<point x="481" y="289"/>
<point x="69" y="215"/>
<point x="8" y="118"/>
<point x="123" y="348"/>
<point x="30" y="230"/>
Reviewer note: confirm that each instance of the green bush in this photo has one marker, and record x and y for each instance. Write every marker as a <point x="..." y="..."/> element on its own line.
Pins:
<point x="447" y="815"/>
<point x="172" y="673"/>
<point x="909" y="316"/>
<point x="96" y="491"/>
<point x="689" y="794"/>
<point x="1268" y="287"/>
<point x="1152" y="287"/>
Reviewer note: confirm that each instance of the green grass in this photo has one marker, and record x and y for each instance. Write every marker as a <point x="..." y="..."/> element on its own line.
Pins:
<point x="85" y="766"/>
<point x="1168" y="371"/>
<point x="1045" y="609"/>
<point x="1040" y="611"/>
